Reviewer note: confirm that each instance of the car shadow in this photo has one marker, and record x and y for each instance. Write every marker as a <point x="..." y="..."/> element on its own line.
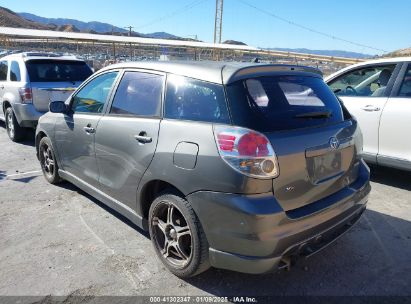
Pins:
<point x="391" y="177"/>
<point x="71" y="187"/>
<point x="371" y="259"/>
<point x="24" y="180"/>
<point x="29" y="139"/>
<point x="3" y="175"/>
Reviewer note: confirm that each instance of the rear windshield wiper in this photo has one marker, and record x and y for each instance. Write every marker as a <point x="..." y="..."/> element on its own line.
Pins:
<point x="319" y="114"/>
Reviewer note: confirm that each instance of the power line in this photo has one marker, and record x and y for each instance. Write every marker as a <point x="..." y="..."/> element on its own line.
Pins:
<point x="174" y="13"/>
<point x="308" y="28"/>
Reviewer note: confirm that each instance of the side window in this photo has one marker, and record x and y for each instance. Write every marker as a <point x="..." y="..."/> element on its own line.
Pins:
<point x="190" y="99"/>
<point x="93" y="96"/>
<point x="3" y="70"/>
<point x="15" y="71"/>
<point x="365" y="82"/>
<point x="405" y="90"/>
<point x="138" y="94"/>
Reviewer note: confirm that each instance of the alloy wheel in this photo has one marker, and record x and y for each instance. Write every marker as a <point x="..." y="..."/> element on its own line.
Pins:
<point x="172" y="235"/>
<point x="47" y="159"/>
<point x="10" y="125"/>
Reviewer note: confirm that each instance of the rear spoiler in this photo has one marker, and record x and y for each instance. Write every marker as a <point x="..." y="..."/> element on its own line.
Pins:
<point x="266" y="70"/>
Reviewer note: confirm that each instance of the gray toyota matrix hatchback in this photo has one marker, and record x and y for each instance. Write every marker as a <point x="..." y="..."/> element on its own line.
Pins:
<point x="237" y="166"/>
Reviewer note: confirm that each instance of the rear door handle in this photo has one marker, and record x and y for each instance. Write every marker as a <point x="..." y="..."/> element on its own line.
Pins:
<point x="370" y="108"/>
<point x="89" y="130"/>
<point x="1" y="86"/>
<point x="143" y="138"/>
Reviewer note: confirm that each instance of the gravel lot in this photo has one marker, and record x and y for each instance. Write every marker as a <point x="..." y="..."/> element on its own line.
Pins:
<point x="57" y="240"/>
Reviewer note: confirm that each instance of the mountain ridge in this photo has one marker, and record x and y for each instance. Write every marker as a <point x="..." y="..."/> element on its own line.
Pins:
<point x="28" y="20"/>
<point x="11" y="19"/>
<point x="336" y="53"/>
<point x="94" y="27"/>
<point x="99" y="27"/>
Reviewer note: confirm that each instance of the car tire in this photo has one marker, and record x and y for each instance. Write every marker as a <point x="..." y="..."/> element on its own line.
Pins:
<point x="48" y="161"/>
<point x="177" y="235"/>
<point x="14" y="131"/>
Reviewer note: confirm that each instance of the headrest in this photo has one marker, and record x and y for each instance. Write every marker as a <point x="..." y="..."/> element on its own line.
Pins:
<point x="384" y="77"/>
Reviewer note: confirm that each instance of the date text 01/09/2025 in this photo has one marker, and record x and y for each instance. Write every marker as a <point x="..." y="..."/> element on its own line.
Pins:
<point x="201" y="299"/>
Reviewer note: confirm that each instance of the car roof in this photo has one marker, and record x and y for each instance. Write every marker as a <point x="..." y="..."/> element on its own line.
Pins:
<point x="216" y="71"/>
<point x="41" y="56"/>
<point x="369" y="62"/>
<point x="385" y="60"/>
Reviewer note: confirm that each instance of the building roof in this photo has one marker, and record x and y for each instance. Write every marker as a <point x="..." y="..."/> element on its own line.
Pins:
<point x="30" y="35"/>
<point x="10" y="31"/>
<point x="216" y="71"/>
<point x="39" y="55"/>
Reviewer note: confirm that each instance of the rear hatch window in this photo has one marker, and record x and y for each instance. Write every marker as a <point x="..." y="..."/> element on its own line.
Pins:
<point x="276" y="103"/>
<point x="41" y="70"/>
<point x="314" y="162"/>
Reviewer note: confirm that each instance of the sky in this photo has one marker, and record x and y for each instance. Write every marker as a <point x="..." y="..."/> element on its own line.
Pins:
<point x="383" y="25"/>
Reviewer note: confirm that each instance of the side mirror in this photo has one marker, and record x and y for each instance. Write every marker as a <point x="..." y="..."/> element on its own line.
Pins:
<point x="57" y="107"/>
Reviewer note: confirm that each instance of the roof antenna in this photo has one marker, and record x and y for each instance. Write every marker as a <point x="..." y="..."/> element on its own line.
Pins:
<point x="256" y="60"/>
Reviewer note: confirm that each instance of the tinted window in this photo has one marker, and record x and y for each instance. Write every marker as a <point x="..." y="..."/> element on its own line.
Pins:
<point x="405" y="90"/>
<point x="368" y="82"/>
<point x="3" y="70"/>
<point x="191" y="99"/>
<point x="57" y="70"/>
<point x="138" y="94"/>
<point x="282" y="103"/>
<point x="15" y="71"/>
<point x="93" y="96"/>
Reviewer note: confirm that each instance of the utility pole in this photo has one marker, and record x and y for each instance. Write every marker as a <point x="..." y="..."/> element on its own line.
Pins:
<point x="129" y="29"/>
<point x="129" y="34"/>
<point x="218" y="24"/>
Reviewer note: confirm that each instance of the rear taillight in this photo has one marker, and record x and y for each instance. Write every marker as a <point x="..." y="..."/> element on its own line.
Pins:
<point x="26" y="95"/>
<point x="246" y="151"/>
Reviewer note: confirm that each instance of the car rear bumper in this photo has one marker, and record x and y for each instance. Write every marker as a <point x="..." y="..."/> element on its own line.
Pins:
<point x="27" y="115"/>
<point x="253" y="234"/>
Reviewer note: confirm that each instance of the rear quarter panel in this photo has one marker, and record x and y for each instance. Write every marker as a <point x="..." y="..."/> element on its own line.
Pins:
<point x="210" y="171"/>
<point x="46" y="127"/>
<point x="11" y="93"/>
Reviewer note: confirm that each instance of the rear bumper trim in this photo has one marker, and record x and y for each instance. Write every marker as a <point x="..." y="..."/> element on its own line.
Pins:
<point x="26" y="114"/>
<point x="304" y="249"/>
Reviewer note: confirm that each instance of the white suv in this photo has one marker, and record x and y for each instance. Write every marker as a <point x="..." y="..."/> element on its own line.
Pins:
<point x="378" y="94"/>
<point x="30" y="81"/>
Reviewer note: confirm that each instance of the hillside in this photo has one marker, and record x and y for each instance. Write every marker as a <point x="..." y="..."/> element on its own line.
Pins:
<point x="162" y="35"/>
<point x="96" y="26"/>
<point x="67" y="28"/>
<point x="400" y="53"/>
<point x="11" y="19"/>
<point x="62" y="24"/>
<point x="234" y="42"/>
<point x="30" y="21"/>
